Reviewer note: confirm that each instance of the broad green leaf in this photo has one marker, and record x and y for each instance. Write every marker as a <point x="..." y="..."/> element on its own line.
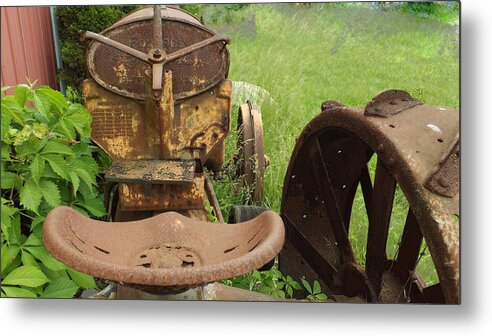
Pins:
<point x="58" y="165"/>
<point x="5" y="124"/>
<point x="30" y="195"/>
<point x="78" y="117"/>
<point x="13" y="109"/>
<point x="56" y="99"/>
<point x="30" y="147"/>
<point x="22" y="92"/>
<point x="53" y="275"/>
<point x="295" y="285"/>
<point x="265" y="290"/>
<point x="7" y="213"/>
<point x="86" y="162"/>
<point x="49" y="173"/>
<point x="50" y="193"/>
<point x="25" y="149"/>
<point x="18" y="292"/>
<point x="28" y="260"/>
<point x="82" y="148"/>
<point x="11" y="227"/>
<point x="8" y="255"/>
<point x="279" y="294"/>
<point x="42" y="102"/>
<point x="74" y="178"/>
<point x="9" y="180"/>
<point x="6" y="223"/>
<point x="37" y="167"/>
<point x="316" y="287"/>
<point x="32" y="240"/>
<point x="4" y="201"/>
<point x="269" y="282"/>
<point x="6" y="152"/>
<point x="65" y="127"/>
<point x="86" y="169"/>
<point x="53" y="147"/>
<point x="60" y="288"/>
<point x="47" y="259"/>
<point x="25" y="276"/>
<point x="36" y="221"/>
<point x="37" y="290"/>
<point x="89" y="179"/>
<point x="307" y="286"/>
<point x="81" y="279"/>
<point x="94" y="206"/>
<point x="321" y="296"/>
<point x="16" y="263"/>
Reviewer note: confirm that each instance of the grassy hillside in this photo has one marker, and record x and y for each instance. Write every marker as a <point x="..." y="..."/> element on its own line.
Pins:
<point x="304" y="55"/>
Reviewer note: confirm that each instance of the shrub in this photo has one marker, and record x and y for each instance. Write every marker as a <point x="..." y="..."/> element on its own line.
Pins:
<point x="72" y="20"/>
<point x="47" y="161"/>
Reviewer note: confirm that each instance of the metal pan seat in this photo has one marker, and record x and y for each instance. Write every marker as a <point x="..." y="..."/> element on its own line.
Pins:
<point x="165" y="253"/>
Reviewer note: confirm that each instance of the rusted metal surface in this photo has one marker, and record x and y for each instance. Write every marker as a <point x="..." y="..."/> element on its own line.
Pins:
<point x="211" y="292"/>
<point x="445" y="180"/>
<point x="251" y="157"/>
<point x="330" y="161"/>
<point x="390" y="102"/>
<point x="123" y="57"/>
<point x="27" y="50"/>
<point x="128" y="129"/>
<point x="166" y="251"/>
<point x="142" y="197"/>
<point x="151" y="171"/>
<point x="212" y="198"/>
<point x="175" y="121"/>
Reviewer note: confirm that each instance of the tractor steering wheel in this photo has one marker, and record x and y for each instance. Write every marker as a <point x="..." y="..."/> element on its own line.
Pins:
<point x="156" y="56"/>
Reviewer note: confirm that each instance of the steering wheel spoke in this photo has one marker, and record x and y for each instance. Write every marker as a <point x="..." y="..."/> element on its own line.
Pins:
<point x="117" y="45"/>
<point x="188" y="50"/>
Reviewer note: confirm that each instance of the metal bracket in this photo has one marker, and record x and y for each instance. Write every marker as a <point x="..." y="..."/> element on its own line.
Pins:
<point x="389" y="103"/>
<point x="151" y="171"/>
<point x="445" y="180"/>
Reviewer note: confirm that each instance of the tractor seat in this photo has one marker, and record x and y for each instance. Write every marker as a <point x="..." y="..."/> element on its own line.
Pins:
<point x="165" y="253"/>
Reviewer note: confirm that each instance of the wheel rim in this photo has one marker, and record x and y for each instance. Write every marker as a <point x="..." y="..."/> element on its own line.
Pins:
<point x="328" y="165"/>
<point x="251" y="156"/>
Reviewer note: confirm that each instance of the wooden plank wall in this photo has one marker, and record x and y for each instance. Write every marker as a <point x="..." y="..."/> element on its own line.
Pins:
<point x="27" y="48"/>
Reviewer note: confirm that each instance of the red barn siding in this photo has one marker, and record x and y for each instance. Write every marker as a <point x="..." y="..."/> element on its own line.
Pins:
<point x="27" y="46"/>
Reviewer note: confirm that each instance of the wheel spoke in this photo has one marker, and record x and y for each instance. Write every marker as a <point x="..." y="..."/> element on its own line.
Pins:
<point x="157" y="27"/>
<point x="349" y="201"/>
<point x="433" y="294"/>
<point x="409" y="250"/>
<point x="324" y="268"/>
<point x="334" y="209"/>
<point x="379" y="220"/>
<point x="366" y="185"/>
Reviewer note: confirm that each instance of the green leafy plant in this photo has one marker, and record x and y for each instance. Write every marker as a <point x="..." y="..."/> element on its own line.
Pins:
<point x="47" y="161"/>
<point x="314" y="291"/>
<point x="271" y="282"/>
<point x="211" y="215"/>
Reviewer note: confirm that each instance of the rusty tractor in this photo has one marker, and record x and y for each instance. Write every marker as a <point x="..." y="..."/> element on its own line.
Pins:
<point x="161" y="107"/>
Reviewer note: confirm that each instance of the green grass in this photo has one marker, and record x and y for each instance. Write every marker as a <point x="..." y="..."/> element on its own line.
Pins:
<point x="304" y="55"/>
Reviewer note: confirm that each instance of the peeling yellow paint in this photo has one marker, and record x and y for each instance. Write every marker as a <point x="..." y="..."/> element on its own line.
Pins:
<point x="119" y="146"/>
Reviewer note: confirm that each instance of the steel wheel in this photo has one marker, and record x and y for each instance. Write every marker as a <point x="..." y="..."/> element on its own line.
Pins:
<point x="329" y="163"/>
<point x="251" y="154"/>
